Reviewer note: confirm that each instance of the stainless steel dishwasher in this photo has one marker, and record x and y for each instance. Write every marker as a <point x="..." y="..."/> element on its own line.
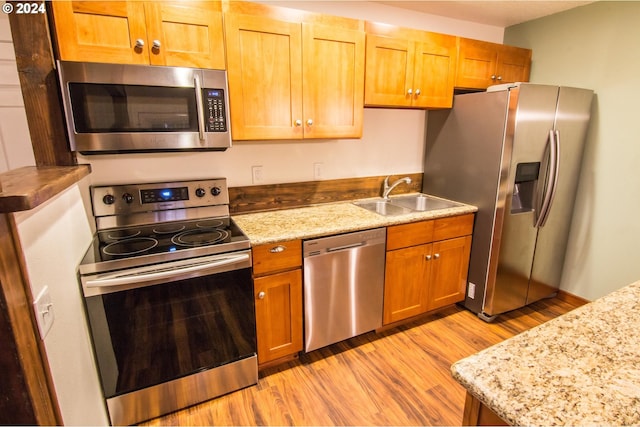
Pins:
<point x="343" y="286"/>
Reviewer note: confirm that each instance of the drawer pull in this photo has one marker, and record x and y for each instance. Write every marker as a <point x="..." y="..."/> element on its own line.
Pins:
<point x="277" y="249"/>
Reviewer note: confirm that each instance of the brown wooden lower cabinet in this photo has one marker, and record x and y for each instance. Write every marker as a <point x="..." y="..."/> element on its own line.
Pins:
<point x="426" y="266"/>
<point x="279" y="315"/>
<point x="278" y="300"/>
<point x="477" y="414"/>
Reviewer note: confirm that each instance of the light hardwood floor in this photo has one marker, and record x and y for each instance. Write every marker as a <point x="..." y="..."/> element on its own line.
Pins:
<point x="397" y="377"/>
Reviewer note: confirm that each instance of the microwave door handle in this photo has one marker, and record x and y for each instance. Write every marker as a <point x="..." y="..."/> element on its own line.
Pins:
<point x="125" y="279"/>
<point x="199" y="106"/>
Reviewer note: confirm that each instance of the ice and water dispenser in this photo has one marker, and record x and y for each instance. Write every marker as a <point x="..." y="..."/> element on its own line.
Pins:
<point x="524" y="187"/>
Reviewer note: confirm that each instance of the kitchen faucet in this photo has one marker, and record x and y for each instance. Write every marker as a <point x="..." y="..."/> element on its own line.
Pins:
<point x="388" y="188"/>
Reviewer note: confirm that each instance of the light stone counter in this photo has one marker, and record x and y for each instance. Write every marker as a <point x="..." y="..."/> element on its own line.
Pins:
<point x="325" y="220"/>
<point x="582" y="368"/>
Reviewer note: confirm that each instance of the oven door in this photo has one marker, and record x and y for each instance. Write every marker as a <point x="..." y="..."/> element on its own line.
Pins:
<point x="118" y="107"/>
<point x="161" y="338"/>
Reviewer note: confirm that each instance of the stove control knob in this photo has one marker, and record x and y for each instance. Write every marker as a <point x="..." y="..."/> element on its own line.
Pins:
<point x="215" y="191"/>
<point x="128" y="198"/>
<point x="108" y="199"/>
<point x="200" y="192"/>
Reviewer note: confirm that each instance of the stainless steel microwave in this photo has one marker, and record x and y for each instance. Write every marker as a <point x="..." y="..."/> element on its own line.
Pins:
<point x="114" y="108"/>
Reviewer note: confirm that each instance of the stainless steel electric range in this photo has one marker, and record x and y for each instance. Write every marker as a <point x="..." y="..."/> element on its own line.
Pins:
<point x="169" y="297"/>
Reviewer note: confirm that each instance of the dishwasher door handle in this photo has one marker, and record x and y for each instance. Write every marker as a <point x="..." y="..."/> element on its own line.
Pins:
<point x="350" y="246"/>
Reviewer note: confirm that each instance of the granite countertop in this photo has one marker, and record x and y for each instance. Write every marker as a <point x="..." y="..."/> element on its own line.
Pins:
<point x="326" y="219"/>
<point x="582" y="368"/>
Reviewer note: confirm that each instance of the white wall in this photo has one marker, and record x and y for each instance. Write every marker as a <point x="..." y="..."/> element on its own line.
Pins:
<point x="392" y="143"/>
<point x="596" y="46"/>
<point x="15" y="145"/>
<point x="54" y="238"/>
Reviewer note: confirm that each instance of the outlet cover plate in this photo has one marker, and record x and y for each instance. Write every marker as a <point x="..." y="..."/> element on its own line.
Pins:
<point x="43" y="308"/>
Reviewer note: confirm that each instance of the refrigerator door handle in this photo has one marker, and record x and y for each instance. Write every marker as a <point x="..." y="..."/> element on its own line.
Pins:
<point x="552" y="181"/>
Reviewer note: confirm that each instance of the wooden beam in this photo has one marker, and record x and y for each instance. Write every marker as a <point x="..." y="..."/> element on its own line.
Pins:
<point x="38" y="80"/>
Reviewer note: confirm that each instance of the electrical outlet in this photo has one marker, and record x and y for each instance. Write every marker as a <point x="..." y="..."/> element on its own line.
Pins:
<point x="317" y="171"/>
<point x="257" y="176"/>
<point x="43" y="308"/>
<point x="471" y="291"/>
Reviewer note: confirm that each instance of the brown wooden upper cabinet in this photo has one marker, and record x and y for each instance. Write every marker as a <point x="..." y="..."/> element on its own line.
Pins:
<point x="294" y="75"/>
<point x="482" y="64"/>
<point x="409" y="68"/>
<point x="184" y="34"/>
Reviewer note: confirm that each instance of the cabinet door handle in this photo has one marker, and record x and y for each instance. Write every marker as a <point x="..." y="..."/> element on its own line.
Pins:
<point x="156" y="44"/>
<point x="277" y="249"/>
<point x="410" y="91"/>
<point x="418" y="91"/>
<point x="139" y="43"/>
<point x="309" y="122"/>
<point x="436" y="256"/>
<point x="493" y="77"/>
<point x="261" y="295"/>
<point x="428" y="257"/>
<point x="298" y="122"/>
<point x="499" y="78"/>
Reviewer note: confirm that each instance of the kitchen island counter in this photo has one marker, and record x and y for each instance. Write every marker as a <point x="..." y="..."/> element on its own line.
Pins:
<point x="327" y="219"/>
<point x="582" y="368"/>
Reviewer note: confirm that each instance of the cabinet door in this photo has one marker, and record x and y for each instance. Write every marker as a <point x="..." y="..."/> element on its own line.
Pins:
<point x="477" y="62"/>
<point x="333" y="81"/>
<point x="405" y="285"/>
<point x="435" y="71"/>
<point x="449" y="267"/>
<point x="188" y="33"/>
<point x="514" y="64"/>
<point x="264" y="68"/>
<point x="389" y="71"/>
<point x="278" y="315"/>
<point x="101" y="31"/>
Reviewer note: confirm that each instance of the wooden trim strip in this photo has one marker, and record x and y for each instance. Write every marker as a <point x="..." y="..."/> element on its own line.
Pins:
<point x="298" y="194"/>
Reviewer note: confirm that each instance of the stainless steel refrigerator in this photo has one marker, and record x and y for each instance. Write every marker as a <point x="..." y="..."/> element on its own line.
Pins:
<point x="514" y="151"/>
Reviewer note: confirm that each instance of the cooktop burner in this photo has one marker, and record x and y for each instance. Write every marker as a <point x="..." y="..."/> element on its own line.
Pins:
<point x="131" y="246"/>
<point x="200" y="237"/>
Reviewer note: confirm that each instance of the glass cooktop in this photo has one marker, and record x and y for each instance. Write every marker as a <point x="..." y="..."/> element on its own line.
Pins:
<point x="147" y="244"/>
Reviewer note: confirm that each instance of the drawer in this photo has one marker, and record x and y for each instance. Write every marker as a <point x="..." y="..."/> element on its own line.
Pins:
<point x="277" y="256"/>
<point x="454" y="226"/>
<point x="419" y="233"/>
<point x="412" y="234"/>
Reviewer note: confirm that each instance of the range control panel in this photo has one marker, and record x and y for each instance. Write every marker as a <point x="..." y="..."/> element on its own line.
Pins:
<point x="158" y="196"/>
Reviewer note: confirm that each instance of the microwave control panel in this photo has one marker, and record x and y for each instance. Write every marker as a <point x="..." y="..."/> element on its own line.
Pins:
<point x="215" y="115"/>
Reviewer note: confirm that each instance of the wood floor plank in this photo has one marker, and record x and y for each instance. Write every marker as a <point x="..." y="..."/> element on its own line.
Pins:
<point x="400" y="376"/>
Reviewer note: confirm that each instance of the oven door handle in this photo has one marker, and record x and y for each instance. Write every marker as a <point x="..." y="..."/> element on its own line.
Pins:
<point x="119" y="279"/>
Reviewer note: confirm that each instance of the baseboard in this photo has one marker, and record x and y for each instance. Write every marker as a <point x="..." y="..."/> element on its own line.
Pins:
<point x="571" y="298"/>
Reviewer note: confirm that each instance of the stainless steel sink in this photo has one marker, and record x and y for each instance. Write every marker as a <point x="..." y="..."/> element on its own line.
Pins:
<point x="403" y="205"/>
<point x="382" y="207"/>
<point x="422" y="202"/>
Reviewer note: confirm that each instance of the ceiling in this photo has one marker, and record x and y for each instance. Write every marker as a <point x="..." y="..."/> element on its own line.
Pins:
<point x="496" y="13"/>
